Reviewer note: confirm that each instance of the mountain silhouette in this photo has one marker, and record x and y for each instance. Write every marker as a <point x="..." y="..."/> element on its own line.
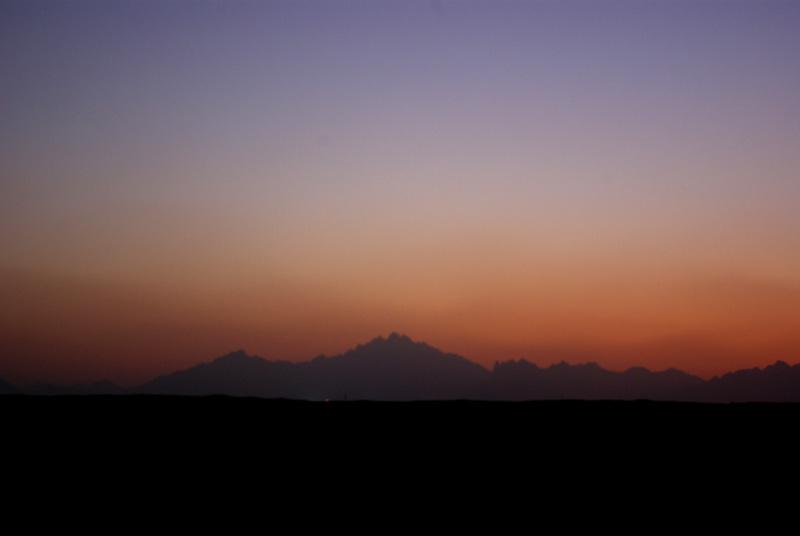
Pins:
<point x="393" y="368"/>
<point x="521" y="380"/>
<point x="778" y="382"/>
<point x="235" y="374"/>
<point x="6" y="388"/>
<point x="96" y="388"/>
<point x="398" y="368"/>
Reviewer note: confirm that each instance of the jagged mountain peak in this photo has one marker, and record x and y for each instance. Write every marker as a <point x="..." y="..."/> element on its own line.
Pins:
<point x="395" y="367"/>
<point x="236" y="355"/>
<point x="393" y="339"/>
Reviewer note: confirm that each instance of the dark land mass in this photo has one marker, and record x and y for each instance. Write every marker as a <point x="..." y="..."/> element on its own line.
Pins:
<point x="6" y="388"/>
<point x="394" y="407"/>
<point x="341" y="421"/>
<point x="159" y="423"/>
<point x="304" y="449"/>
<point x="399" y="369"/>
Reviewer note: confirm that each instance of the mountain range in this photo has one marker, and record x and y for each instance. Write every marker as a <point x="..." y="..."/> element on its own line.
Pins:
<point x="398" y="368"/>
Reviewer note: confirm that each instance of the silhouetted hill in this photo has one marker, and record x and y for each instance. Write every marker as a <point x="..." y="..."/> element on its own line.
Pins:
<point x="393" y="368"/>
<point x="236" y="374"/>
<point x="97" y="388"/>
<point x="521" y="380"/>
<point x="398" y="368"/>
<point x="778" y="382"/>
<point x="6" y="388"/>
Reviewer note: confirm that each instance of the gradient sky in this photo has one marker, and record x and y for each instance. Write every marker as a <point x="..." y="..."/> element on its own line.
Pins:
<point x="592" y="181"/>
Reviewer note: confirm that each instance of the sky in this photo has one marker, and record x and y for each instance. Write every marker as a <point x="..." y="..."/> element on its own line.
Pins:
<point x="608" y="181"/>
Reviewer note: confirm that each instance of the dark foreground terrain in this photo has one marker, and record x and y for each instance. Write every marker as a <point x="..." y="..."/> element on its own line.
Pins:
<point x="334" y="424"/>
<point x="478" y="450"/>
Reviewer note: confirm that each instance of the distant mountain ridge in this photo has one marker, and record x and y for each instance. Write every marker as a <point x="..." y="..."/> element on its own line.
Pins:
<point x="398" y="368"/>
<point x="96" y="388"/>
<point x="393" y="368"/>
<point x="6" y="388"/>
